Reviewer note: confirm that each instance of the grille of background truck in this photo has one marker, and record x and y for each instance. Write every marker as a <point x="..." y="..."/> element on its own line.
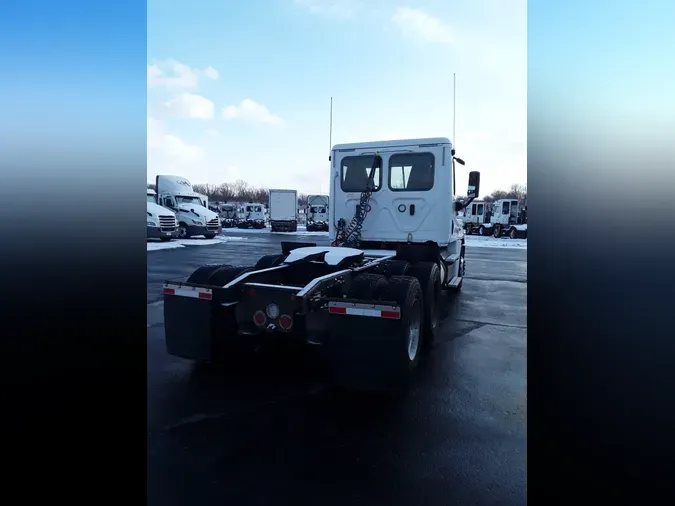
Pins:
<point x="167" y="223"/>
<point x="213" y="224"/>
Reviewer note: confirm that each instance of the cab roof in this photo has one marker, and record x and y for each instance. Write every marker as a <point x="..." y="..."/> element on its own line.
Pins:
<point x="392" y="144"/>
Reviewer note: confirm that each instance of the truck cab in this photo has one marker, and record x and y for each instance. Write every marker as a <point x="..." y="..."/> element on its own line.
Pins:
<point x="229" y="215"/>
<point x="317" y="213"/>
<point x="162" y="223"/>
<point x="176" y="193"/>
<point x="253" y="216"/>
<point x="410" y="187"/>
<point x="475" y="216"/>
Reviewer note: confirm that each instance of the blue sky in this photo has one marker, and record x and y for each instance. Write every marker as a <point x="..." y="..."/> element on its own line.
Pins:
<point x="242" y="89"/>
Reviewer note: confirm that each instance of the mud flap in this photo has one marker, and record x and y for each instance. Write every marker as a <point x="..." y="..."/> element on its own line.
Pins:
<point x="187" y="326"/>
<point x="357" y="350"/>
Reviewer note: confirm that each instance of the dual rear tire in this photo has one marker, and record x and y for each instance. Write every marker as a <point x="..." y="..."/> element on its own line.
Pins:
<point x="386" y="358"/>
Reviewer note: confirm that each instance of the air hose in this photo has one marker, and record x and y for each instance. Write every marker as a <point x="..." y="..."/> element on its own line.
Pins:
<point x="349" y="235"/>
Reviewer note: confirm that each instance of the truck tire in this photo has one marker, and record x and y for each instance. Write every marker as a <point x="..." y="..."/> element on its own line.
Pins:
<point x="367" y="286"/>
<point x="378" y="356"/>
<point x="429" y="276"/>
<point x="209" y="236"/>
<point x="202" y="274"/>
<point x="226" y="273"/>
<point x="217" y="275"/>
<point x="481" y="230"/>
<point x="269" y="261"/>
<point x="513" y="233"/>
<point x="393" y="268"/>
<point x="469" y="228"/>
<point x="497" y="231"/>
<point x="405" y="341"/>
<point x="183" y="231"/>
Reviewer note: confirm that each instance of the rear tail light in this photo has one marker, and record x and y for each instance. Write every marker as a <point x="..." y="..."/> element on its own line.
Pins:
<point x="259" y="318"/>
<point x="286" y="322"/>
<point x="169" y="291"/>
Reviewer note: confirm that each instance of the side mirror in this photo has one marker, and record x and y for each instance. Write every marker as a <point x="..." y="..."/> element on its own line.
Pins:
<point x="474" y="185"/>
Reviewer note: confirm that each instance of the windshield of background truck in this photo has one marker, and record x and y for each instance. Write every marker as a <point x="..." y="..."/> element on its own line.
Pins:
<point x="253" y="209"/>
<point x="150" y="198"/>
<point x="188" y="200"/>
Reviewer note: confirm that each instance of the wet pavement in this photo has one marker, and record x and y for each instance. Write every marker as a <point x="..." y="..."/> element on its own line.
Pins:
<point x="271" y="431"/>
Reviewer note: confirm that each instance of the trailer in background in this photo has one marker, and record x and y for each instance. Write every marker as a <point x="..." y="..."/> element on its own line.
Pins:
<point x="283" y="210"/>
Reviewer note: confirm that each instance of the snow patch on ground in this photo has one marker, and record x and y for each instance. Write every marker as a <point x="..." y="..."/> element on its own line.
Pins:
<point x="477" y="241"/>
<point x="302" y="231"/>
<point x="197" y="241"/>
<point x="156" y="246"/>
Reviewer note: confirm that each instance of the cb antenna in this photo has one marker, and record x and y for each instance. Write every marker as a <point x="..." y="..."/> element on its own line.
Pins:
<point x="454" y="109"/>
<point x="330" y="129"/>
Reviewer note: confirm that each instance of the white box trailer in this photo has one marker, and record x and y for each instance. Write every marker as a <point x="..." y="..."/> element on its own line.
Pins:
<point x="283" y="209"/>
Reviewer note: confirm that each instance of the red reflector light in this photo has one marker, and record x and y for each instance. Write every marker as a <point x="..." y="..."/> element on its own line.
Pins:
<point x="285" y="322"/>
<point x="337" y="310"/>
<point x="204" y="295"/>
<point x="169" y="291"/>
<point x="391" y="315"/>
<point x="251" y="291"/>
<point x="259" y="318"/>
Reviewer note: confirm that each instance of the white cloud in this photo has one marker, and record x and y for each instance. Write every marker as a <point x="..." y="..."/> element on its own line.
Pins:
<point x="251" y="112"/>
<point x="189" y="105"/>
<point x="212" y="132"/>
<point x="418" y="24"/>
<point x="163" y="145"/>
<point x="211" y="73"/>
<point x="330" y="8"/>
<point x="176" y="75"/>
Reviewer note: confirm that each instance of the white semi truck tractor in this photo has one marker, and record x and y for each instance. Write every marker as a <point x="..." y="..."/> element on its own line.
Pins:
<point x="162" y="223"/>
<point x="317" y="213"/>
<point x="369" y="301"/>
<point x="176" y="193"/>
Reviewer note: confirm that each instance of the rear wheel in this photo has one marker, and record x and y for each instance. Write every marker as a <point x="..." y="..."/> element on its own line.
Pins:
<point x="429" y="276"/>
<point x="513" y="233"/>
<point x="405" y="340"/>
<point x="481" y="230"/>
<point x="469" y="229"/>
<point x="367" y="287"/>
<point x="497" y="232"/>
<point x="393" y="268"/>
<point x="202" y="274"/>
<point x="269" y="261"/>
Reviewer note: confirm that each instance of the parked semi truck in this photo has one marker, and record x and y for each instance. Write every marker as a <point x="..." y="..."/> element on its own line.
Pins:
<point x="317" y="213"/>
<point x="369" y="301"/>
<point x="283" y="210"/>
<point x="229" y="217"/>
<point x="252" y="216"/>
<point x="176" y="193"/>
<point x="162" y="222"/>
<point x="504" y="217"/>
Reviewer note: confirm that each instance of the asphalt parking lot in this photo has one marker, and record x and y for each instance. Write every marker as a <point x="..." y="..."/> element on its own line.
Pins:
<point x="272" y="432"/>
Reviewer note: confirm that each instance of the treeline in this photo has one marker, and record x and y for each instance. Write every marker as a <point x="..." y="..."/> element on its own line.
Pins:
<point x="516" y="192"/>
<point x="241" y="191"/>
